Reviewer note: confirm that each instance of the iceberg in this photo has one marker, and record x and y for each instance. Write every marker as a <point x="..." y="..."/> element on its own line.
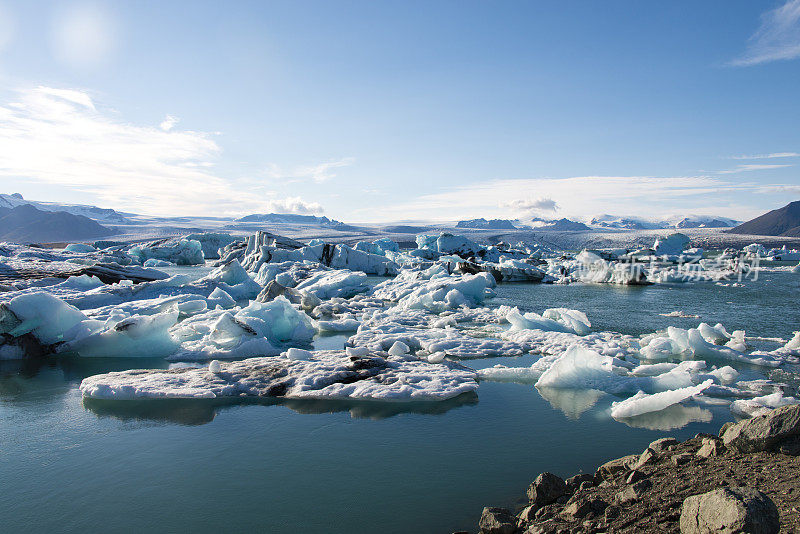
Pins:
<point x="339" y="283"/>
<point x="323" y="375"/>
<point x="642" y="403"/>
<point x="183" y="252"/>
<point x="672" y="245"/>
<point x="257" y="329"/>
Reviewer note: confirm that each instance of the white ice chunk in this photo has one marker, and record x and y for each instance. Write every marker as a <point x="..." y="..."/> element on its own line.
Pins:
<point x="399" y="348"/>
<point x="760" y="405"/>
<point x="298" y="354"/>
<point x="642" y="403"/>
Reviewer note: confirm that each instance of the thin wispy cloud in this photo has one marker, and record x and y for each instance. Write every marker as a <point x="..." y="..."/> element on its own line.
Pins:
<point x="753" y="167"/>
<point x="319" y="173"/>
<point x="60" y="136"/>
<point x="778" y="37"/>
<point x="773" y="155"/>
<point x="577" y="197"/>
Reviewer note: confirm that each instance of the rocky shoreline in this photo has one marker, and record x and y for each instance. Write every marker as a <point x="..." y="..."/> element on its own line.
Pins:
<point x="747" y="479"/>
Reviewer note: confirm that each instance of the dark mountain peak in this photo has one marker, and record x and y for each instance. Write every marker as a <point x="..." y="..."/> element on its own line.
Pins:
<point x="783" y="221"/>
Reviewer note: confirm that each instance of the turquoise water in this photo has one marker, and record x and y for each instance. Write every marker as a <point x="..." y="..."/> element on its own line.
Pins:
<point x="316" y="467"/>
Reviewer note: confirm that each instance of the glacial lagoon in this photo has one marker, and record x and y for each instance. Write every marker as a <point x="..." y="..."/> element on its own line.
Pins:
<point x="318" y="466"/>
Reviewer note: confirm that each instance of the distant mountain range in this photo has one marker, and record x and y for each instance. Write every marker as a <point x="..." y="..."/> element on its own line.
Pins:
<point x="101" y="215"/>
<point x="559" y="225"/>
<point x="784" y="221"/>
<point x="636" y="223"/>
<point x="483" y="224"/>
<point x="27" y="224"/>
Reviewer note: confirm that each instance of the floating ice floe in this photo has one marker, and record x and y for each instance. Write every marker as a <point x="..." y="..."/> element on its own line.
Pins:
<point x="324" y="375"/>
<point x="760" y="405"/>
<point x="642" y="403"/>
<point x="551" y="320"/>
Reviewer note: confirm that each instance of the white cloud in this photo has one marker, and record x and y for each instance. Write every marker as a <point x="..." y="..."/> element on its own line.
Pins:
<point x="84" y="35"/>
<point x="773" y="155"/>
<point x="791" y="189"/>
<point x="778" y="37"/>
<point x="168" y="123"/>
<point x="530" y="204"/>
<point x="317" y="173"/>
<point x="753" y="167"/>
<point x="59" y="136"/>
<point x="294" y="205"/>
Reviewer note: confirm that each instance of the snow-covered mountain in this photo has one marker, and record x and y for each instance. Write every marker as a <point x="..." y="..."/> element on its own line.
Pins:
<point x="101" y="215"/>
<point x="677" y="221"/>
<point x="492" y="224"/>
<point x="559" y="225"/>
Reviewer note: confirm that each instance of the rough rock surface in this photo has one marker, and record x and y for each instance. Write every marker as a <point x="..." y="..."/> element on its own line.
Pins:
<point x="546" y="488"/>
<point x="650" y="498"/>
<point x="763" y="432"/>
<point x="738" y="509"/>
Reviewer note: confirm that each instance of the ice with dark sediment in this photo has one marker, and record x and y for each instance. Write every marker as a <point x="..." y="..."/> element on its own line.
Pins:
<point x="376" y="376"/>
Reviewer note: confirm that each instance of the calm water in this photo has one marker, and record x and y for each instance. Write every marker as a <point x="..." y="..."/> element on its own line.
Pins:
<point x="317" y="467"/>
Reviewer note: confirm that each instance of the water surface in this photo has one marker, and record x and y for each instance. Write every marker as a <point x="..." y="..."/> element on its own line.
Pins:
<point x="321" y="467"/>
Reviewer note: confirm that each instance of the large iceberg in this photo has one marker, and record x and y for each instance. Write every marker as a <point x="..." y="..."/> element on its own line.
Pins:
<point x="183" y="252"/>
<point x="325" y="375"/>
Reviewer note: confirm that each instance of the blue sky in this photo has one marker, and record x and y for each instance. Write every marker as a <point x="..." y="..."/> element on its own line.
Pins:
<point x="389" y="111"/>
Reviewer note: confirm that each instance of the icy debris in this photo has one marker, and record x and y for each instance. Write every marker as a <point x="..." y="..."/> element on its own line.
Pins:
<point x="214" y="366"/>
<point x="346" y="323"/>
<point x="551" y="320"/>
<point x="326" y="375"/>
<point x="700" y="343"/>
<point x="356" y="351"/>
<point x="438" y="293"/>
<point x="454" y="343"/>
<point x="339" y="283"/>
<point x="298" y="354"/>
<point x="80" y="247"/>
<point x="436" y="357"/>
<point x="761" y="405"/>
<point x="399" y="348"/>
<point x="680" y="313"/>
<point x="258" y="329"/>
<point x="519" y="375"/>
<point x="152" y="262"/>
<point x="642" y="403"/>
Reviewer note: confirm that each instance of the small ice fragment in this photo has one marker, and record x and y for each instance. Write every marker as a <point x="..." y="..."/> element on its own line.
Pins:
<point x="298" y="354"/>
<point x="356" y="351"/>
<point x="399" y="348"/>
<point x="436" y="357"/>
<point x="214" y="367"/>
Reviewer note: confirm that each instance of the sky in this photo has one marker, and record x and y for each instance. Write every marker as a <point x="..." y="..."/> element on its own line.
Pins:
<point x="380" y="111"/>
